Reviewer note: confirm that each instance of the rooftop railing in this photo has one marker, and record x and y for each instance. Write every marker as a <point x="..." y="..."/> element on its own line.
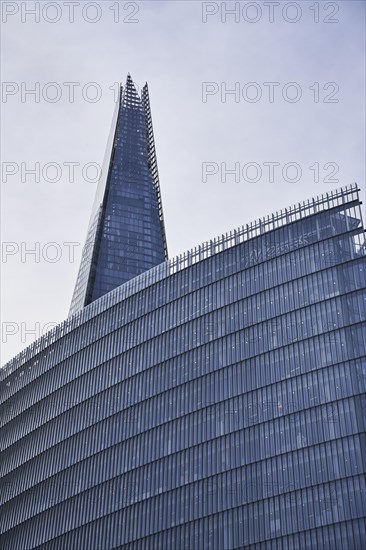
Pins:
<point x="261" y="226"/>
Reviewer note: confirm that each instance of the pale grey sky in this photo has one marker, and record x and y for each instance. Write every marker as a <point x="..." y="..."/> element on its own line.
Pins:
<point x="171" y="47"/>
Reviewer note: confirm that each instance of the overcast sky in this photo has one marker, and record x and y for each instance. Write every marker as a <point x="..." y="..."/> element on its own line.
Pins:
<point x="190" y="56"/>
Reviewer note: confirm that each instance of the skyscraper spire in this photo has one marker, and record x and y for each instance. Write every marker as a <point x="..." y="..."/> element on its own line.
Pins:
<point x="126" y="234"/>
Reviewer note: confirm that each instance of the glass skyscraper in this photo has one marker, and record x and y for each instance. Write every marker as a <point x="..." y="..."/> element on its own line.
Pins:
<point x="126" y="234"/>
<point x="214" y="401"/>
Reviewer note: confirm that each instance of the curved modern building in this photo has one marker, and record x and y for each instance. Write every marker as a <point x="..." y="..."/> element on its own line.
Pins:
<point x="214" y="401"/>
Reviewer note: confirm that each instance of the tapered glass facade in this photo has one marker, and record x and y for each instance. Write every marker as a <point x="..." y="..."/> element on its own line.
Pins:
<point x="216" y="401"/>
<point x="126" y="235"/>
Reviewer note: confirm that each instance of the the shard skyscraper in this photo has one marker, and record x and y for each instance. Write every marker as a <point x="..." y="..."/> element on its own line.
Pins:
<point x="126" y="234"/>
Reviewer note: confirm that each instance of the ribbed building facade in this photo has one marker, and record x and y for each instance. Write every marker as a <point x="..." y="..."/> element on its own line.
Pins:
<point x="215" y="401"/>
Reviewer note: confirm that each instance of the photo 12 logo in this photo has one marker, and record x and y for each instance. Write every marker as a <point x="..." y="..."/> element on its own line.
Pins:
<point x="268" y="172"/>
<point x="50" y="172"/>
<point x="23" y="330"/>
<point x="69" y="171"/>
<point x="36" y="252"/>
<point x="270" y="12"/>
<point x="49" y="492"/>
<point x="69" y="12"/>
<point x="247" y="492"/>
<point x="269" y="92"/>
<point x="55" y="92"/>
<point x="223" y="418"/>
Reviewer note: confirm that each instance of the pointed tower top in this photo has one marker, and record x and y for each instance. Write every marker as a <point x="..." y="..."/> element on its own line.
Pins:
<point x="130" y="93"/>
<point x="126" y="233"/>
